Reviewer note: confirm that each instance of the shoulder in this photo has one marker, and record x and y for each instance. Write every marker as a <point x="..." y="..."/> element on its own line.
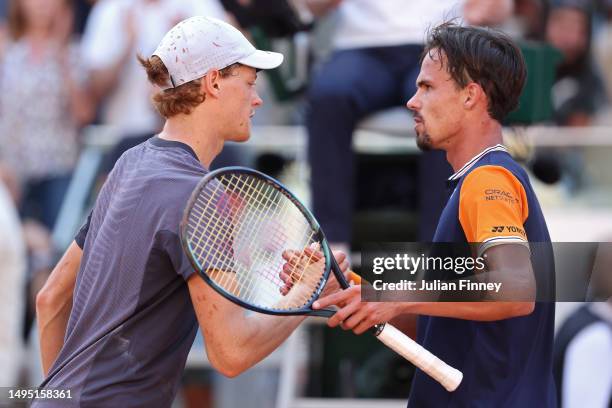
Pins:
<point x="493" y="205"/>
<point x="170" y="174"/>
<point x="174" y="160"/>
<point x="175" y="179"/>
<point x="493" y="182"/>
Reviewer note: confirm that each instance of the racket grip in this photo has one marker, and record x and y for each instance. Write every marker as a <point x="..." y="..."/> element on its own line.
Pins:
<point x="447" y="376"/>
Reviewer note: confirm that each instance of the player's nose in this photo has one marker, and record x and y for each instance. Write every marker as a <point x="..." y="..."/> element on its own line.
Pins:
<point x="257" y="101"/>
<point x="413" y="103"/>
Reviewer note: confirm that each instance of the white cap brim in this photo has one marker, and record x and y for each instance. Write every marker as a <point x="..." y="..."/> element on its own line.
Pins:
<point x="263" y="59"/>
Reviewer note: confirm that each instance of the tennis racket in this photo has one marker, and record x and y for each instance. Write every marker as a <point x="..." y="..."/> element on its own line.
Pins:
<point x="234" y="230"/>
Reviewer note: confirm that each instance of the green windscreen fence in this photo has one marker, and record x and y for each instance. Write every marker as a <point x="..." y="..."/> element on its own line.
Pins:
<point x="535" y="104"/>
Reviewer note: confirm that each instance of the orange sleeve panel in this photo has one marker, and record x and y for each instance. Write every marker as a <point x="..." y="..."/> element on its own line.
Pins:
<point x="493" y="206"/>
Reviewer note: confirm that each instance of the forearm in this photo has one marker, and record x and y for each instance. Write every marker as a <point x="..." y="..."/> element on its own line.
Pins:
<point x="515" y="298"/>
<point x="242" y="340"/>
<point x="508" y="284"/>
<point x="236" y="339"/>
<point x="265" y="333"/>
<point x="54" y="303"/>
<point x="478" y="311"/>
<point x="52" y="323"/>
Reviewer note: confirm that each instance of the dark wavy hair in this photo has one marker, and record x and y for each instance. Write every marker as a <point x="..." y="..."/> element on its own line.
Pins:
<point x="484" y="56"/>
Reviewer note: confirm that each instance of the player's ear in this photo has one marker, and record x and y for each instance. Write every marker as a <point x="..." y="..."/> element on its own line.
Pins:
<point x="211" y="83"/>
<point x="473" y="95"/>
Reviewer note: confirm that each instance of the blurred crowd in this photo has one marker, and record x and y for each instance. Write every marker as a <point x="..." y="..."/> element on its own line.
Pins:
<point x="66" y="64"/>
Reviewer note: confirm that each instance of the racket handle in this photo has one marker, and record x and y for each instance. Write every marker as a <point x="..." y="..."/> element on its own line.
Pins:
<point x="447" y="376"/>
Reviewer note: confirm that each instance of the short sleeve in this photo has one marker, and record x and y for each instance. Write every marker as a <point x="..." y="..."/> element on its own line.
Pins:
<point x="82" y="234"/>
<point x="216" y="257"/>
<point x="493" y="207"/>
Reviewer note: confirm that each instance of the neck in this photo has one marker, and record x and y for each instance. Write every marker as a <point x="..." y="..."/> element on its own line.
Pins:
<point x="473" y="141"/>
<point x="203" y="139"/>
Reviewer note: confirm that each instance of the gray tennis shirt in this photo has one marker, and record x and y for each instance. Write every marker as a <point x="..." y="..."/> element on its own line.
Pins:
<point x="132" y="321"/>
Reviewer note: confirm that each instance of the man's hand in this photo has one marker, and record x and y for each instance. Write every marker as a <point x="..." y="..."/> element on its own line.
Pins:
<point x="299" y="266"/>
<point x="354" y="314"/>
<point x="310" y="263"/>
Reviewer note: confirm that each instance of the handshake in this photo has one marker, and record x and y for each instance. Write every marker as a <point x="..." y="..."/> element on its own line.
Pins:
<point x="303" y="277"/>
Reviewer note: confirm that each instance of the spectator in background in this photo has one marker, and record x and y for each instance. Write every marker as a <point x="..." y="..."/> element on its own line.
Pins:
<point x="579" y="90"/>
<point x="583" y="351"/>
<point x="603" y="52"/>
<point x="115" y="32"/>
<point x="583" y="344"/>
<point x="529" y="19"/>
<point x="377" y="46"/>
<point x="12" y="283"/>
<point x="42" y="104"/>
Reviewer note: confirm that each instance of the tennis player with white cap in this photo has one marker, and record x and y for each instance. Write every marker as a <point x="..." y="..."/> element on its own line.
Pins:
<point x="119" y="313"/>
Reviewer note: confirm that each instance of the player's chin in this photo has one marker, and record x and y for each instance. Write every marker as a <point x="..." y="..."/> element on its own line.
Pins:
<point x="243" y="134"/>
<point x="423" y="142"/>
<point x="243" y="137"/>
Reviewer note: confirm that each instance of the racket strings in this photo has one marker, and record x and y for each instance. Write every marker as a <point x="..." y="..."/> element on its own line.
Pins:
<point x="276" y="212"/>
<point x="219" y="225"/>
<point x="255" y="223"/>
<point x="213" y="221"/>
<point x="240" y="223"/>
<point x="239" y="228"/>
<point x="272" y="194"/>
<point x="287" y="205"/>
<point x="199" y="220"/>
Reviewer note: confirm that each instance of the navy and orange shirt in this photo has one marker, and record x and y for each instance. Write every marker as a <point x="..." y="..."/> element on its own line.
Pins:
<point x="505" y="363"/>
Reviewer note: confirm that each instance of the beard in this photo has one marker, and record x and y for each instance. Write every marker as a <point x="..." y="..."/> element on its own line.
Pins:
<point x="423" y="142"/>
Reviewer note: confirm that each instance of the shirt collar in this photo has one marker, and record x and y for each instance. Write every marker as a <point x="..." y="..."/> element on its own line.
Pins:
<point x="164" y="143"/>
<point x="467" y="166"/>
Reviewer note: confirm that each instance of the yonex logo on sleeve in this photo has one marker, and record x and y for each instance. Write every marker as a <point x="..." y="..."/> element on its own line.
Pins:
<point x="509" y="228"/>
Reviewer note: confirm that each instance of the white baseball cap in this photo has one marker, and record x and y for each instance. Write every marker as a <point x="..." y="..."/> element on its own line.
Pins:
<point x="198" y="44"/>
